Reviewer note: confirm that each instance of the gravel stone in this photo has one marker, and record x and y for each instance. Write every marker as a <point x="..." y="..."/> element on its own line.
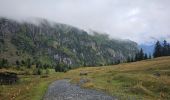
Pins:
<point x="63" y="90"/>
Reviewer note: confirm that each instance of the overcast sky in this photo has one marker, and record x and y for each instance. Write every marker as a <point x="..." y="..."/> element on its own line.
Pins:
<point x="142" y="21"/>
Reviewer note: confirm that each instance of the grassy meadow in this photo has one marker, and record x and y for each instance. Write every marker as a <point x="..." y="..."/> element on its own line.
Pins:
<point x="143" y="80"/>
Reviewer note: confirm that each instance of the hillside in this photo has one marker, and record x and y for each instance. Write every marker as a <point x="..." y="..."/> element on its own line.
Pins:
<point x="51" y="43"/>
<point x="143" y="80"/>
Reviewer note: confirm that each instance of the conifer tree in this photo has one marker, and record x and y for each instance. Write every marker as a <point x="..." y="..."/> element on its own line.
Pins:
<point x="146" y="56"/>
<point x="168" y="49"/>
<point x="165" y="48"/>
<point x="150" y="57"/>
<point x="141" y="54"/>
<point x="157" y="50"/>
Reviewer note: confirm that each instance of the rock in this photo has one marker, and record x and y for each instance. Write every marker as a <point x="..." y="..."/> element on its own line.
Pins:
<point x="8" y="78"/>
<point x="84" y="80"/>
<point x="83" y="73"/>
<point x="157" y="74"/>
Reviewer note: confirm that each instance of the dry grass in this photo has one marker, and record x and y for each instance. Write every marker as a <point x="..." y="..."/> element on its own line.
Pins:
<point x="130" y="80"/>
<point x="29" y="87"/>
<point x="125" y="81"/>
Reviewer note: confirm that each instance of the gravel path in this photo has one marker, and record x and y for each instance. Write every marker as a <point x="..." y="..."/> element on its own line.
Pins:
<point x="63" y="90"/>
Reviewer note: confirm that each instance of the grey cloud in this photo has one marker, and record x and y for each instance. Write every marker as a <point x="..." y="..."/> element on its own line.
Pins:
<point x="137" y="20"/>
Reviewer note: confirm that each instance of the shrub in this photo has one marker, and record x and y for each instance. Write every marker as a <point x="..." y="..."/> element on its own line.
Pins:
<point x="61" y="67"/>
<point x="37" y="71"/>
<point x="38" y="65"/>
<point x="28" y="63"/>
<point x="4" y="63"/>
<point x="22" y="62"/>
<point x="47" y="71"/>
<point x="17" y="63"/>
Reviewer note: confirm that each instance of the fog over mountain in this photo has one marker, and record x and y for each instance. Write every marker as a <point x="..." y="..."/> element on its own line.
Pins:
<point x="142" y="21"/>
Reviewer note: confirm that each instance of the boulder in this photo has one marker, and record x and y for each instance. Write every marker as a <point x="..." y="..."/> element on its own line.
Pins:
<point x="83" y="73"/>
<point x="7" y="78"/>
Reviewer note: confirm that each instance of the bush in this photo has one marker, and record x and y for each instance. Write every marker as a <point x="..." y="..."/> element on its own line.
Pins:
<point x="38" y="65"/>
<point x="27" y="72"/>
<point x="61" y="67"/>
<point x="37" y="71"/>
<point x="4" y="63"/>
<point x="47" y="71"/>
<point x="22" y="62"/>
<point x="18" y="64"/>
<point x="28" y="63"/>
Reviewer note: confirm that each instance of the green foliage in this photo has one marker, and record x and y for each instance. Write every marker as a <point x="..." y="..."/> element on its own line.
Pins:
<point x="47" y="71"/>
<point x="150" y="57"/>
<point x="140" y="55"/>
<point x="22" y="62"/>
<point x="38" y="65"/>
<point x="158" y="50"/>
<point x="161" y="49"/>
<point x="28" y="63"/>
<point x="4" y="63"/>
<point x="63" y="44"/>
<point x="23" y="42"/>
<point x="37" y="71"/>
<point x="61" y="67"/>
<point x="145" y="56"/>
<point x="17" y="63"/>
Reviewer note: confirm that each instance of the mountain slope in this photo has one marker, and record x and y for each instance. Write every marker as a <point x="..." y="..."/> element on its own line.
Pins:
<point x="52" y="43"/>
<point x="142" y="80"/>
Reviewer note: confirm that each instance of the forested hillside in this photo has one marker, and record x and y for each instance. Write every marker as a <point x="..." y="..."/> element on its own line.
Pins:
<point x="51" y="44"/>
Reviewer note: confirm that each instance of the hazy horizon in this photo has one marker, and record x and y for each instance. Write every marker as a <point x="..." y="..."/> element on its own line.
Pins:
<point x="142" y="21"/>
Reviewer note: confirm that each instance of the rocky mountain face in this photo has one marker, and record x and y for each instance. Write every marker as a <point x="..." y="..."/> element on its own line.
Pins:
<point x="54" y="43"/>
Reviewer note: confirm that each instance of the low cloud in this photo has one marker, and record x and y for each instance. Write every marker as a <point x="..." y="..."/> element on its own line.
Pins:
<point x="138" y="20"/>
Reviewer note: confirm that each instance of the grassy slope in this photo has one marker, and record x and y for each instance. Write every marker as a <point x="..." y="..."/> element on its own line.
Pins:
<point x="126" y="81"/>
<point x="29" y="87"/>
<point x="131" y="80"/>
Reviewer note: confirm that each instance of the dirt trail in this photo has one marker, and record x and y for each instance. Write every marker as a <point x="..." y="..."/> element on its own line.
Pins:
<point x="63" y="90"/>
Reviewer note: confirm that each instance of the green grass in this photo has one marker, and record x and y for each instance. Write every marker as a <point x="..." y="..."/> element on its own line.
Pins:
<point x="125" y="81"/>
<point x="130" y="80"/>
<point x="29" y="87"/>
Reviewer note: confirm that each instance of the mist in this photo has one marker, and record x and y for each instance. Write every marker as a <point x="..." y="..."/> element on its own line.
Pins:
<point x="142" y="21"/>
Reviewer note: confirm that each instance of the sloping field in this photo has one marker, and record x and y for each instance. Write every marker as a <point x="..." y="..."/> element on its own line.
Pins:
<point x="148" y="80"/>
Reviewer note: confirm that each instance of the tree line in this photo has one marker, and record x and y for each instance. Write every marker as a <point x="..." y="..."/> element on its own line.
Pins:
<point x="161" y="49"/>
<point x="140" y="55"/>
<point x="28" y="63"/>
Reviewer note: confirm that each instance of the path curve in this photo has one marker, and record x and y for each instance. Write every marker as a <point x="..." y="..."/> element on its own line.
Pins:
<point x="63" y="90"/>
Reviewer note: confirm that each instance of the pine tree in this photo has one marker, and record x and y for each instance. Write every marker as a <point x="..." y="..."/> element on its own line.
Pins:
<point x="22" y="62"/>
<point x="157" y="50"/>
<point x="168" y="49"/>
<point x="28" y="62"/>
<point x="4" y="63"/>
<point x="150" y="57"/>
<point x="137" y="57"/>
<point x="146" y="56"/>
<point x="165" y="48"/>
<point x="128" y="59"/>
<point x="132" y="59"/>
<point x="17" y="63"/>
<point x="141" y="54"/>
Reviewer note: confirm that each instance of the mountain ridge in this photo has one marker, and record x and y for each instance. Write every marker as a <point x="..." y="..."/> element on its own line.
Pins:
<point x="58" y="43"/>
